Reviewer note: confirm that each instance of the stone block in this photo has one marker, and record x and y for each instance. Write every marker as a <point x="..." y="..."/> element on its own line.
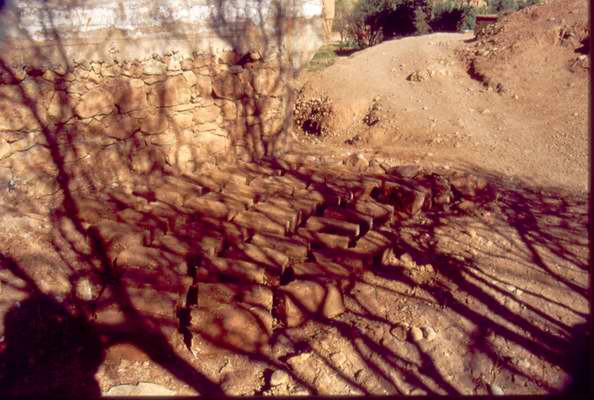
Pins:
<point x="98" y="101"/>
<point x="316" y="271"/>
<point x="203" y="115"/>
<point x="262" y="255"/>
<point x="293" y="248"/>
<point x="59" y="108"/>
<point x="232" y="233"/>
<point x="120" y="126"/>
<point x="140" y="257"/>
<point x="190" y="78"/>
<point x="154" y="67"/>
<point x="381" y="213"/>
<point x="210" y="207"/>
<point x="230" y="328"/>
<point x="171" y="92"/>
<point x="128" y="97"/>
<point x="281" y="213"/>
<point x="228" y="109"/>
<point x="269" y="186"/>
<point x="346" y="214"/>
<point x="203" y="239"/>
<point x="333" y="226"/>
<point x="268" y="82"/>
<point x="217" y="269"/>
<point x="321" y="240"/>
<point x="203" y="86"/>
<point x="182" y="120"/>
<point x="261" y="223"/>
<point x="213" y="294"/>
<point x="228" y="85"/>
<point x="305" y="299"/>
<point x="154" y="124"/>
<point x="231" y="318"/>
<point x="232" y="203"/>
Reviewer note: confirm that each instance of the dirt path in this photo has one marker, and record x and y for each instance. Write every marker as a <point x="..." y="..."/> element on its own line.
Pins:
<point x="449" y="118"/>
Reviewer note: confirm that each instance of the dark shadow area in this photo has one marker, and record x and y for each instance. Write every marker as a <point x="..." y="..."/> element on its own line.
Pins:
<point x="48" y="348"/>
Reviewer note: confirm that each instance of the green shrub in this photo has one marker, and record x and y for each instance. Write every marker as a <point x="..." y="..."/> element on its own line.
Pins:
<point x="372" y="21"/>
<point x="451" y="16"/>
<point x="421" y="24"/>
<point x="506" y="6"/>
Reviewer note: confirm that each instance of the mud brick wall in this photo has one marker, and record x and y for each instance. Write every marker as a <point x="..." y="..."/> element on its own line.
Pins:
<point x="139" y="86"/>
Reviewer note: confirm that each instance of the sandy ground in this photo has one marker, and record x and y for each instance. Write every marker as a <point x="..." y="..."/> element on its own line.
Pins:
<point x="535" y="128"/>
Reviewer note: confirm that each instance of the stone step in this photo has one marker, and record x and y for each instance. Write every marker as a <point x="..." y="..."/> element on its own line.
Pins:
<point x="349" y="215"/>
<point x="269" y="186"/>
<point x="210" y="207"/>
<point x="304" y="300"/>
<point x="243" y="193"/>
<point x="406" y="199"/>
<point x="367" y="251"/>
<point x="261" y="223"/>
<point x="146" y="258"/>
<point x="235" y="201"/>
<point x="142" y="220"/>
<point x="232" y="232"/>
<point x="164" y="213"/>
<point x="220" y="176"/>
<point x="305" y="206"/>
<point x="333" y="226"/>
<point x="291" y="247"/>
<point x="231" y="318"/>
<point x="262" y="255"/>
<point x="280" y="213"/>
<point x="218" y="269"/>
<point x="323" y="240"/>
<point x="116" y="237"/>
<point x="314" y="271"/>
<point x="381" y="213"/>
<point x="202" y="240"/>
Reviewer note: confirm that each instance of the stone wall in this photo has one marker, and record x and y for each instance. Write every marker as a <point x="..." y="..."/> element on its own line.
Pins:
<point x="129" y="92"/>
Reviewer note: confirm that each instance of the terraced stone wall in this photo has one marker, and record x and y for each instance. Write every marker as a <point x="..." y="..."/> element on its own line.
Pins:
<point x="104" y="89"/>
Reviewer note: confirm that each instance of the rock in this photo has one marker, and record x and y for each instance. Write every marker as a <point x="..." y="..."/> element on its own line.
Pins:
<point x="418" y="76"/>
<point x="141" y="389"/>
<point x="154" y="67"/>
<point x="98" y="101"/>
<point x="428" y="333"/>
<point x="307" y="299"/>
<point x="268" y="82"/>
<point x="204" y="86"/>
<point x="496" y="390"/>
<point x="279" y="377"/>
<point x="406" y="171"/>
<point x="357" y="161"/>
<point x="173" y="91"/>
<point x="153" y="124"/>
<point x="84" y="290"/>
<point x="130" y="96"/>
<point x="399" y="332"/>
<point x="203" y="115"/>
<point x="416" y="334"/>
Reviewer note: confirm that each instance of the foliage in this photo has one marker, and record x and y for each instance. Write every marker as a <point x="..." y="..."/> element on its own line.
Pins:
<point x="369" y="22"/>
<point x="372" y="21"/>
<point x="505" y="6"/>
<point x="421" y="24"/>
<point x="312" y="115"/>
<point x="451" y="16"/>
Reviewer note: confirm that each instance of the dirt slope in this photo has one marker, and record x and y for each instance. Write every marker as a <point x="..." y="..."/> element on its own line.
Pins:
<point x="514" y="102"/>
